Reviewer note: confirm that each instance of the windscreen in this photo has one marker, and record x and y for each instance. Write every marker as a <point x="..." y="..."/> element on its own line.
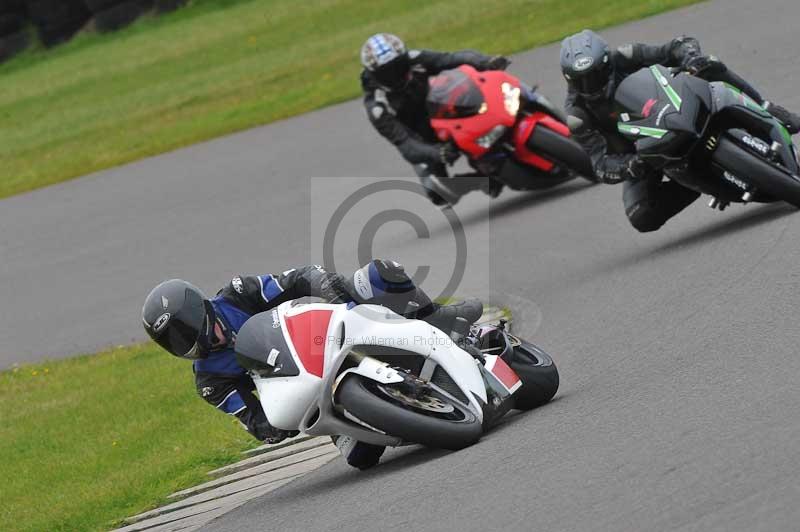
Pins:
<point x="452" y="94"/>
<point x="261" y="345"/>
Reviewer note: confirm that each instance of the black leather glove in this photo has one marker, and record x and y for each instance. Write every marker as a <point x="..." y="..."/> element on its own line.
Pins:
<point x="498" y="62"/>
<point x="334" y="289"/>
<point x="448" y="153"/>
<point x="789" y="119"/>
<point x="702" y="63"/>
<point x="683" y="48"/>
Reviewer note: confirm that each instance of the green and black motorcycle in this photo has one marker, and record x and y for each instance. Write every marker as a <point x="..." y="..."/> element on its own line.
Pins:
<point x="709" y="137"/>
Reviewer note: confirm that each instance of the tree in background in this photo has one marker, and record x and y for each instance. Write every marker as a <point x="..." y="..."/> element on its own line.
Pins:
<point x="57" y="21"/>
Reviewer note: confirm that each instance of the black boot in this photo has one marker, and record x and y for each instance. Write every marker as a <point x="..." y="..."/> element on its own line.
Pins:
<point x="439" y="190"/>
<point x="357" y="453"/>
<point x="444" y="317"/>
<point x="787" y="118"/>
<point x="493" y="187"/>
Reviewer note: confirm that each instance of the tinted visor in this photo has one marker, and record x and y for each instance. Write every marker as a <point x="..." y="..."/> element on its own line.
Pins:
<point x="182" y="332"/>
<point x="592" y="82"/>
<point x="394" y="74"/>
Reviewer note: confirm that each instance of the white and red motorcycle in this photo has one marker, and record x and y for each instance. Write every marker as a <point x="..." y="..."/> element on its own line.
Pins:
<point x="375" y="376"/>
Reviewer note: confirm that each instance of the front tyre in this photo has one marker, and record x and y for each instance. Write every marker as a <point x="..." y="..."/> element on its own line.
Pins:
<point x="765" y="177"/>
<point x="427" y="417"/>
<point x="538" y="373"/>
<point x="564" y="150"/>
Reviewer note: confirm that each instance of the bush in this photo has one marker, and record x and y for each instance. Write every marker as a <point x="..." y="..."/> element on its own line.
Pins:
<point x="111" y="15"/>
<point x="57" y="21"/>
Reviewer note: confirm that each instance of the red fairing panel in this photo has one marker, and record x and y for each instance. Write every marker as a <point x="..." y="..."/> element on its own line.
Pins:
<point x="308" y="332"/>
<point x="465" y="131"/>
<point x="503" y="373"/>
<point x="523" y="132"/>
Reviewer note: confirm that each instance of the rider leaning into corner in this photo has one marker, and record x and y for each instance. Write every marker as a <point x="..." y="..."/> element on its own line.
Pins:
<point x="395" y="84"/>
<point x="183" y="321"/>
<point x="593" y="73"/>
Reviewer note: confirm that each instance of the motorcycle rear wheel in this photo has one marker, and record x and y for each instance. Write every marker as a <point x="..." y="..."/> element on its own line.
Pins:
<point x="539" y="376"/>
<point x="431" y="419"/>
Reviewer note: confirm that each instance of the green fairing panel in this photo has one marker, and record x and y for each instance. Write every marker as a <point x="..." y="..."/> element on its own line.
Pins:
<point x="726" y="95"/>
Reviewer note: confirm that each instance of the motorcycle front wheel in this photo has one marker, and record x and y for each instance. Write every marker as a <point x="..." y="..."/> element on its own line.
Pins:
<point x="767" y="178"/>
<point x="426" y="417"/>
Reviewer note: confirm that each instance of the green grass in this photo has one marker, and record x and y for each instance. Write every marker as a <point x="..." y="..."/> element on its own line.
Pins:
<point x="94" y="439"/>
<point x="220" y="66"/>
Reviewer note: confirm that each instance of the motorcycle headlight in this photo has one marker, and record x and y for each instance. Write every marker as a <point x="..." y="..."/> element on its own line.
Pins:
<point x="510" y="98"/>
<point x="487" y="140"/>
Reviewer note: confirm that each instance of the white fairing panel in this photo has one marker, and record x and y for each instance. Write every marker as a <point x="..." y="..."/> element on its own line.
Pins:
<point x="285" y="400"/>
<point x="463" y="369"/>
<point x="288" y="400"/>
<point x="375" y="325"/>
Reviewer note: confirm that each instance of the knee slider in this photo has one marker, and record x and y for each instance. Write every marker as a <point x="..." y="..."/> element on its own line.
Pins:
<point x="643" y="220"/>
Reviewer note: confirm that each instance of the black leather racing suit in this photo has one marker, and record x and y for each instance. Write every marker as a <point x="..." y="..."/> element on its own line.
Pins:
<point x="649" y="200"/>
<point x="400" y="115"/>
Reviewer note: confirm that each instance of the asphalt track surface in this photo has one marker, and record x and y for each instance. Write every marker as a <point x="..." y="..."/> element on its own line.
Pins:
<point x="679" y="407"/>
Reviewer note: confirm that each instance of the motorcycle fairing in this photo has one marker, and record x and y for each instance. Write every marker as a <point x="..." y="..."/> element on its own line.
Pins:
<point x="308" y="332"/>
<point x="502" y="373"/>
<point x="263" y="329"/>
<point x="735" y="108"/>
<point x="522" y="133"/>
<point x="664" y="116"/>
<point x="501" y="95"/>
<point x="306" y="402"/>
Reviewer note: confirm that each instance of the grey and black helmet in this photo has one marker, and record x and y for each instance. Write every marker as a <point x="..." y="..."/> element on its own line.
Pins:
<point x="386" y="57"/>
<point x="178" y="317"/>
<point x="586" y="64"/>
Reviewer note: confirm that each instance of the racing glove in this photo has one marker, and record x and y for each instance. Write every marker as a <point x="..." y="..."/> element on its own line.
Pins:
<point x="682" y="49"/>
<point x="334" y="289"/>
<point x="498" y="62"/>
<point x="448" y="153"/>
<point x="699" y="64"/>
<point x="789" y="119"/>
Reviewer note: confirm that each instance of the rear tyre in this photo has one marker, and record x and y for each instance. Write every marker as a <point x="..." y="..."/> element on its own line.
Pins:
<point x="561" y="149"/>
<point x="767" y="178"/>
<point x="539" y="376"/>
<point x="431" y="419"/>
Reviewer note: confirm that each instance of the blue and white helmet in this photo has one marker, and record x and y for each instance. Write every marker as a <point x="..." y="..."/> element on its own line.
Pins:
<point x="386" y="57"/>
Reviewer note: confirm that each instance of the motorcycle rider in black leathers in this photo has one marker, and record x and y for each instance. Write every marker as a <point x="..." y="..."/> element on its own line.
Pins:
<point x="183" y="321"/>
<point x="593" y="73"/>
<point x="395" y="85"/>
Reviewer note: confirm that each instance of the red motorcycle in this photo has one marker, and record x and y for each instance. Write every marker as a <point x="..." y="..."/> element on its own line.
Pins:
<point x="506" y="129"/>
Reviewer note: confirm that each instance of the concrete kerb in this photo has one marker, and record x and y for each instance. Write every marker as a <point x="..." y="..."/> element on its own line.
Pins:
<point x="240" y="486"/>
<point x="268" y="448"/>
<point x="298" y="457"/>
<point x="271" y="455"/>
